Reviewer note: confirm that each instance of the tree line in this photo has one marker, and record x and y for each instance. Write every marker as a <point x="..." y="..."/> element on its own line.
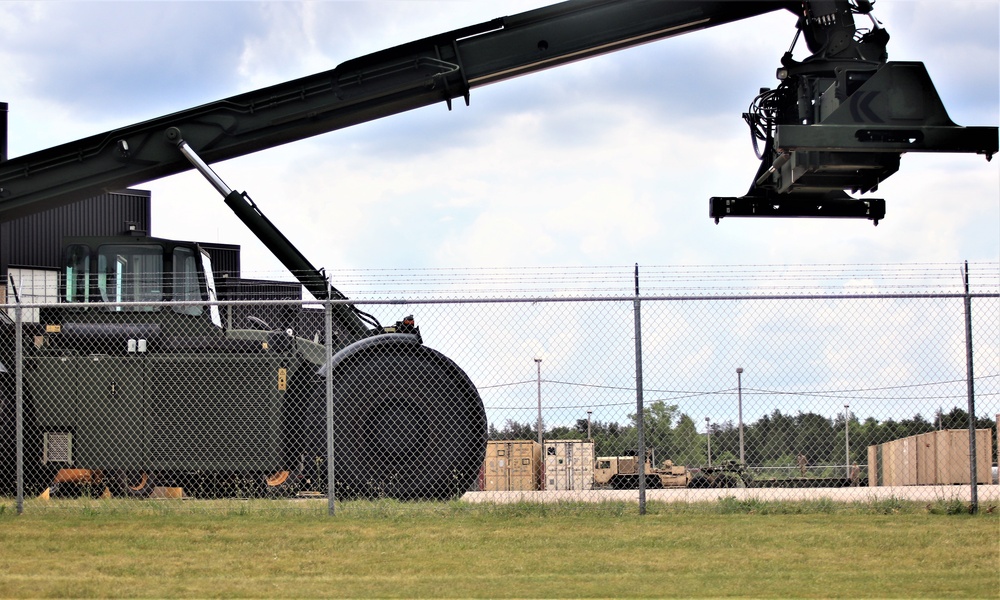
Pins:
<point x="774" y="440"/>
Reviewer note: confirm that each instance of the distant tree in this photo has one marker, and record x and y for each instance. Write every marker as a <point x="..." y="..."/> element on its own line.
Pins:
<point x="658" y="434"/>
<point x="564" y="433"/>
<point x="814" y="437"/>
<point x="689" y="447"/>
<point x="513" y="430"/>
<point x="770" y="437"/>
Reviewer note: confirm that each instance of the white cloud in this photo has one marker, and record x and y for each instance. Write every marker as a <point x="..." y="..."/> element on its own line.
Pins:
<point x="606" y="161"/>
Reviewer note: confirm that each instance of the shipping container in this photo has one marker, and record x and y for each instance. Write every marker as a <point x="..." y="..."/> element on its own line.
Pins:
<point x="511" y="466"/>
<point x="38" y="285"/>
<point x="934" y="458"/>
<point x="569" y="465"/>
<point x="927" y="457"/>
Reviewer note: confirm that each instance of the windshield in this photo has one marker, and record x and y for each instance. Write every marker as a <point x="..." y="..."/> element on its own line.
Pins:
<point x="141" y="272"/>
<point x="130" y="273"/>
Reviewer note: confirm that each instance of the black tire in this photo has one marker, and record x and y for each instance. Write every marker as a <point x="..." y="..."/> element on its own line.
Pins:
<point x="130" y="484"/>
<point x="408" y="424"/>
<point x="624" y="482"/>
<point x="724" y="480"/>
<point x="700" y="482"/>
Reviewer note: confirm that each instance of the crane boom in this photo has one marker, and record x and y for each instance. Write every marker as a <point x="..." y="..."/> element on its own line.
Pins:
<point x="436" y="69"/>
<point x="875" y="110"/>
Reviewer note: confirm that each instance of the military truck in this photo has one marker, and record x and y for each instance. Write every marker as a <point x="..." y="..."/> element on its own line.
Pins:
<point x="622" y="473"/>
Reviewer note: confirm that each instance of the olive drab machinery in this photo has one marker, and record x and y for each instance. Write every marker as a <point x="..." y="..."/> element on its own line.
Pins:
<point x="411" y="423"/>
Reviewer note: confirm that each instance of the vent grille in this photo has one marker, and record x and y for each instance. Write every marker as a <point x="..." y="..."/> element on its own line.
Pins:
<point x="58" y="447"/>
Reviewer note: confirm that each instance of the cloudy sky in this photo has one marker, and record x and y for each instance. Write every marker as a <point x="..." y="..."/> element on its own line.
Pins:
<point x="609" y="161"/>
<point x="593" y="166"/>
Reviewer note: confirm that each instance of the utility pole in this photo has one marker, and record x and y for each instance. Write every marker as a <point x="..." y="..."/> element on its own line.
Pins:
<point x="847" y="438"/>
<point x="708" y="429"/>
<point x="538" y="362"/>
<point x="739" y="400"/>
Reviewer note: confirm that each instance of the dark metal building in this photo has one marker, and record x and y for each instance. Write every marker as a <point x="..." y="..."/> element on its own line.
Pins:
<point x="36" y="240"/>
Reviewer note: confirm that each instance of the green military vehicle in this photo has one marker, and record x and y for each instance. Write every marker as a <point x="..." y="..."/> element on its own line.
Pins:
<point x="126" y="393"/>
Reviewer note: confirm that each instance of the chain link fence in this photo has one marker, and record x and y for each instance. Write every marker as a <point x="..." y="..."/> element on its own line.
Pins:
<point x="513" y="396"/>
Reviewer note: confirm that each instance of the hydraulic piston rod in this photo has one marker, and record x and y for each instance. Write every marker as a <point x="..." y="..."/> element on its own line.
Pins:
<point x="314" y="280"/>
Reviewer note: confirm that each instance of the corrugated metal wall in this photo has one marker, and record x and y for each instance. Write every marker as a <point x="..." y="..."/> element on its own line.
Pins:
<point x="225" y="259"/>
<point x="36" y="240"/>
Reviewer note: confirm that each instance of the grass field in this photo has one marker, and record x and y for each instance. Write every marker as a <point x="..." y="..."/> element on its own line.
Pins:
<point x="736" y="548"/>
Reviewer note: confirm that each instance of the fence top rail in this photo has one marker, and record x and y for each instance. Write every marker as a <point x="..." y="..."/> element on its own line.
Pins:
<point x="502" y="300"/>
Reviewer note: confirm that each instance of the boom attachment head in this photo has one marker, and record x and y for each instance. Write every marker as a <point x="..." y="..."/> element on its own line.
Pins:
<point x="840" y="120"/>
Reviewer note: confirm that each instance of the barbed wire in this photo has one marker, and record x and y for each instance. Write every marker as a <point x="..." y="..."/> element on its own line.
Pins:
<point x="877" y="278"/>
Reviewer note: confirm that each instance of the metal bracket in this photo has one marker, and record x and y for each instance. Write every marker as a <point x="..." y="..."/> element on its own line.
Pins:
<point x="845" y="207"/>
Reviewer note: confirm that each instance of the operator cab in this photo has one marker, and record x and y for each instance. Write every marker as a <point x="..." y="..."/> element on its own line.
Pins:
<point x="111" y="273"/>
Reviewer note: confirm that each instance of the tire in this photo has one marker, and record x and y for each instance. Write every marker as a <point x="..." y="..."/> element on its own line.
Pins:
<point x="624" y="482"/>
<point x="724" y="480"/>
<point x="408" y="424"/>
<point x="131" y="484"/>
<point x="699" y="482"/>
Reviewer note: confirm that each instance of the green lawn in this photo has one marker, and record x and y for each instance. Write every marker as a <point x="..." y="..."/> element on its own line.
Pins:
<point x="457" y="550"/>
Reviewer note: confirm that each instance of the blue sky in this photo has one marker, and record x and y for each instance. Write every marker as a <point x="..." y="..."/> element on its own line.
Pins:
<point x="609" y="161"/>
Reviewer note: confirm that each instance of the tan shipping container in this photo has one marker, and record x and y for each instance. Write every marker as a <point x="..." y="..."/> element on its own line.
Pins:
<point x="933" y="458"/>
<point x="511" y="465"/>
<point x="952" y="454"/>
<point x="927" y="457"/>
<point x="899" y="462"/>
<point x="569" y="465"/>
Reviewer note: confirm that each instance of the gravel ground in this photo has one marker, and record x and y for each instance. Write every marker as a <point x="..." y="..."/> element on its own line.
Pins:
<point x="921" y="493"/>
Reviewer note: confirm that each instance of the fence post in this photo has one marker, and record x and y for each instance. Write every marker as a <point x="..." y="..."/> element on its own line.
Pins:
<point x="970" y="392"/>
<point x="639" y="429"/>
<point x="330" y="471"/>
<point x="19" y="406"/>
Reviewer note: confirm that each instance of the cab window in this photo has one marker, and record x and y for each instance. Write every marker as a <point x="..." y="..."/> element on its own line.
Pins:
<point x="130" y="273"/>
<point x="187" y="287"/>
<point x="77" y="283"/>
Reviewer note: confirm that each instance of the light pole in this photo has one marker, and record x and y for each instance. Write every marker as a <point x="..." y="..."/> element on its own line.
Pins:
<point x="847" y="439"/>
<point x="538" y="362"/>
<point x="739" y="400"/>
<point x="708" y="429"/>
<point x="588" y="423"/>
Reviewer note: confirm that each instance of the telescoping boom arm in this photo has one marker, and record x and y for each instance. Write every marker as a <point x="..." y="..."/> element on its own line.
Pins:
<point x="839" y="120"/>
